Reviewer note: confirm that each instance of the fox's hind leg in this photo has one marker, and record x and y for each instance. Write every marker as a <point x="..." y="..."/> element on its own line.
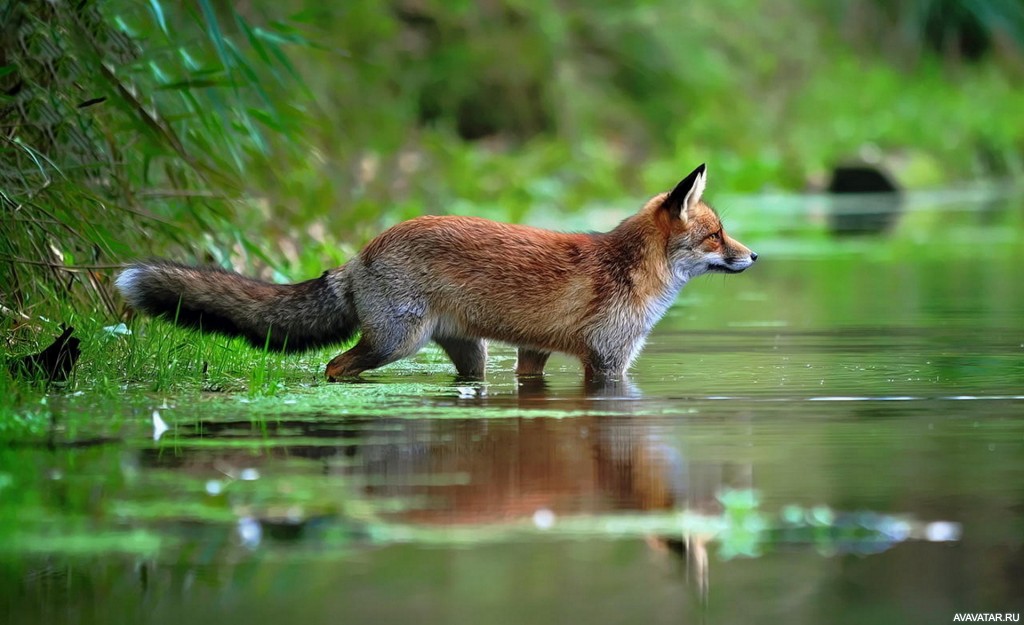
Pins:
<point x="531" y="361"/>
<point x="378" y="347"/>
<point x="469" y="355"/>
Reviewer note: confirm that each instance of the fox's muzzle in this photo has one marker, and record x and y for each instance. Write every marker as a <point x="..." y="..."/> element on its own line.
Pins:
<point x="734" y="265"/>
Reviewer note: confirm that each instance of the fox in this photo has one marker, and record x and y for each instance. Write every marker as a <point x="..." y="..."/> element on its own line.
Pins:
<point x="464" y="281"/>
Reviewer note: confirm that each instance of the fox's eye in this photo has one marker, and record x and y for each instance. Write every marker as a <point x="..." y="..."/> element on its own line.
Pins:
<point x="716" y="237"/>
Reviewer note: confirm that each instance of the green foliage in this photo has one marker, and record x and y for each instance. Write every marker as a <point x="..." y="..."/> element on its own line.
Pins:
<point x="107" y="141"/>
<point x="957" y="29"/>
<point x="278" y="136"/>
<point x="744" y="524"/>
<point x="158" y="358"/>
<point x="20" y="423"/>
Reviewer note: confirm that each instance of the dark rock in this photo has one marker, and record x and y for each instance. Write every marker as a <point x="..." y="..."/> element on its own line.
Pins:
<point x="869" y="200"/>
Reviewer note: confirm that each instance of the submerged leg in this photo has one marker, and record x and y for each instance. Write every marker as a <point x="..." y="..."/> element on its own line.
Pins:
<point x="604" y="367"/>
<point x="469" y="355"/>
<point x="531" y="361"/>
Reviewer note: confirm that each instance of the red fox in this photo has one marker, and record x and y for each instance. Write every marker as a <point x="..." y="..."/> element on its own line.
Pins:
<point x="461" y="281"/>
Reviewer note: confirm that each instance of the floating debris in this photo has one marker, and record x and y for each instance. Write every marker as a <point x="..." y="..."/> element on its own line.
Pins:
<point x="250" y="532"/>
<point x="159" y="425"/>
<point x="117" y="330"/>
<point x="544" y="519"/>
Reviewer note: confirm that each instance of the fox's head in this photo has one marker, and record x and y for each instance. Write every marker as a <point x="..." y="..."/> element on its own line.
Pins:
<point x="697" y="243"/>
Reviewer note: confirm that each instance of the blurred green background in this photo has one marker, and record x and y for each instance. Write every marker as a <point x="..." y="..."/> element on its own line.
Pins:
<point x="278" y="136"/>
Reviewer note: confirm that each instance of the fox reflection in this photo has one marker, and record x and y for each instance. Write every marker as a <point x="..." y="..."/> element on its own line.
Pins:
<point x="480" y="471"/>
<point x="467" y="471"/>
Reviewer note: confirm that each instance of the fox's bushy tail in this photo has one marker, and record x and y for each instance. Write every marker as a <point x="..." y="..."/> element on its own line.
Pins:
<point x="284" y="317"/>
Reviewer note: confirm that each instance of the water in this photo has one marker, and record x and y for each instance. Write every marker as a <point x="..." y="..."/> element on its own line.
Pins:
<point x="838" y="433"/>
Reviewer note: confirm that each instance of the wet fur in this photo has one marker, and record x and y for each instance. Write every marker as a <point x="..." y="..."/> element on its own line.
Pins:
<point x="463" y="280"/>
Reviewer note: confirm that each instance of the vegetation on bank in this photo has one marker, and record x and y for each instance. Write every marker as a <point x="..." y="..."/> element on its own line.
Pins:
<point x="279" y="136"/>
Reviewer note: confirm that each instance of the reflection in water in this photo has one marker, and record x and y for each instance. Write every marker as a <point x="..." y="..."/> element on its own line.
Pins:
<point x="864" y="213"/>
<point x="471" y="472"/>
<point x="502" y="470"/>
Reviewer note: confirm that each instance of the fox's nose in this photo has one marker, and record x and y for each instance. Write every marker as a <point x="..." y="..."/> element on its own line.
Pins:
<point x="753" y="256"/>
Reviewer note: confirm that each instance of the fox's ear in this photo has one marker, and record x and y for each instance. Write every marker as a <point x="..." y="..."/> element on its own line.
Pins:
<point x="687" y="193"/>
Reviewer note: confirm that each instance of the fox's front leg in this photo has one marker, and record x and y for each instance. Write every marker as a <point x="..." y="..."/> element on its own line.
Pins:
<point x="593" y="373"/>
<point x="597" y="367"/>
<point x="609" y="360"/>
